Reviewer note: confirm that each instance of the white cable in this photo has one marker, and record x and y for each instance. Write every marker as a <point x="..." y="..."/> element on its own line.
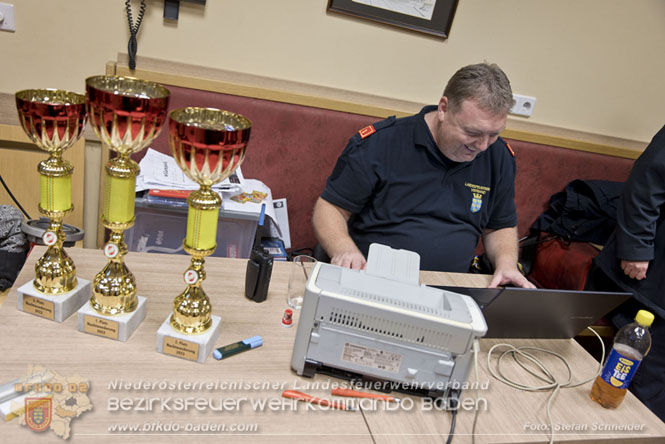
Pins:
<point x="476" y="350"/>
<point x="545" y="375"/>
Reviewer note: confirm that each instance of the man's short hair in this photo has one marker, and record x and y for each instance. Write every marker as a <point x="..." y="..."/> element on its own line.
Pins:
<point x="486" y="83"/>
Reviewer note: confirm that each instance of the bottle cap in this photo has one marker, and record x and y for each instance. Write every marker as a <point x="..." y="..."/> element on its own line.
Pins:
<point x="644" y="318"/>
<point x="287" y="319"/>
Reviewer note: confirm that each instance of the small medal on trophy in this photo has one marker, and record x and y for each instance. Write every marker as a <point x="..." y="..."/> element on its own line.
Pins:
<point x="54" y="121"/>
<point x="126" y="114"/>
<point x="208" y="145"/>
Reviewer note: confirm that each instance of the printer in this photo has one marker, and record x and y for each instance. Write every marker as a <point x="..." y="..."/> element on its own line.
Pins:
<point x="380" y="325"/>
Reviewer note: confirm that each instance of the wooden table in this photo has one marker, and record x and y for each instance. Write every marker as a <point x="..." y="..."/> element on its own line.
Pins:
<point x="260" y="375"/>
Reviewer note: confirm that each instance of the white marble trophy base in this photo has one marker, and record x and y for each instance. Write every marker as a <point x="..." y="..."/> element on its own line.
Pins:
<point x="118" y="327"/>
<point x="54" y="307"/>
<point x="192" y="347"/>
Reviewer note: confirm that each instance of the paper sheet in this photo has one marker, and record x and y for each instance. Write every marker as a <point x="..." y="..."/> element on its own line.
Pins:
<point x="161" y="172"/>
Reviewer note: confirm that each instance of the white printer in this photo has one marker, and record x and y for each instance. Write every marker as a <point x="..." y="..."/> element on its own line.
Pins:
<point x="381" y="325"/>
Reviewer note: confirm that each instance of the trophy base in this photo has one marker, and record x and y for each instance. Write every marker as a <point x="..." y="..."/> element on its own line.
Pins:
<point x="118" y="327"/>
<point x="54" y="307"/>
<point x="191" y="347"/>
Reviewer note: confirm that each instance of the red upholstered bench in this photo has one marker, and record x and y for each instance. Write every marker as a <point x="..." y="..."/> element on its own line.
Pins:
<point x="293" y="149"/>
<point x="544" y="170"/>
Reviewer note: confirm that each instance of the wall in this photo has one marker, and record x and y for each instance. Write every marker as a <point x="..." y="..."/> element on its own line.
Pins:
<point x="594" y="65"/>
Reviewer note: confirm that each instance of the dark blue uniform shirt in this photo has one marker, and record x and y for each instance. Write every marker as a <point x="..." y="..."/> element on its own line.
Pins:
<point x="403" y="192"/>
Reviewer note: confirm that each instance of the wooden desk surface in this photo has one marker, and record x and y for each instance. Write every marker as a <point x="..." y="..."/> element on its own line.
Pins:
<point x="261" y="375"/>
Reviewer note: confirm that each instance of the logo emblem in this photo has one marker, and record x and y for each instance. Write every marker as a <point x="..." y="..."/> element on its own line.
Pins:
<point x="50" y="238"/>
<point x="111" y="250"/>
<point x="477" y="193"/>
<point x="476" y="203"/>
<point x="38" y="413"/>
<point x="191" y="277"/>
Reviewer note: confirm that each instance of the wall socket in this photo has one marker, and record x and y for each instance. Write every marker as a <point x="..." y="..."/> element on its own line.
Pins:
<point x="523" y="106"/>
<point x="7" y="17"/>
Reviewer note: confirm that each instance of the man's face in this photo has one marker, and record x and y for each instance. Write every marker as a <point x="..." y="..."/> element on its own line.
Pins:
<point x="468" y="131"/>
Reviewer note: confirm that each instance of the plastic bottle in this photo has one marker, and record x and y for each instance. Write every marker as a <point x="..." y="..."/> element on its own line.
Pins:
<point x="631" y="344"/>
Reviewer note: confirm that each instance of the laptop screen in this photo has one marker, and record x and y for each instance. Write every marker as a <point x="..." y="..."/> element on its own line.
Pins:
<point x="539" y="313"/>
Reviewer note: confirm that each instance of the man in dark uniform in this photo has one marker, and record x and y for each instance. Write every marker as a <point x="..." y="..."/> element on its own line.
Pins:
<point x="633" y="260"/>
<point x="432" y="183"/>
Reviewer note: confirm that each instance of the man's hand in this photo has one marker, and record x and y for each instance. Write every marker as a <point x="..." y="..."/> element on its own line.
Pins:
<point x="350" y="259"/>
<point x="635" y="269"/>
<point x="501" y="248"/>
<point x="510" y="276"/>
<point x="331" y="231"/>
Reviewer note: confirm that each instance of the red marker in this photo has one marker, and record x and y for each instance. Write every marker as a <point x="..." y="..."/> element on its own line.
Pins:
<point x="354" y="394"/>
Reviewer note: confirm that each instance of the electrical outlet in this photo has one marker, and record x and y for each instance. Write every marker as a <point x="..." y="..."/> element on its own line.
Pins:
<point x="523" y="106"/>
<point x="7" y="17"/>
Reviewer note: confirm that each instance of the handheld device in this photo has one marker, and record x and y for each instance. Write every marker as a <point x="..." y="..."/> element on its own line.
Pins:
<point x="259" y="266"/>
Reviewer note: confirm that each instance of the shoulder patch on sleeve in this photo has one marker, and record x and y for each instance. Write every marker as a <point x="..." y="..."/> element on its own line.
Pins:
<point x="367" y="131"/>
<point x="512" y="153"/>
<point x="371" y="129"/>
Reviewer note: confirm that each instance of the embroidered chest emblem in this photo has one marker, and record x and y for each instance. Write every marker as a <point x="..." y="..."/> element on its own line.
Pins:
<point x="477" y="194"/>
<point x="476" y="203"/>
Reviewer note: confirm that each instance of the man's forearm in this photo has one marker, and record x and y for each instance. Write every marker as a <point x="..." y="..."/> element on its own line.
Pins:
<point x="501" y="247"/>
<point x="330" y="228"/>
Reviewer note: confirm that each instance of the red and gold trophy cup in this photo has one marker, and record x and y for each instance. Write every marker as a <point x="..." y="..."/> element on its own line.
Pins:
<point x="54" y="121"/>
<point x="208" y="144"/>
<point x="126" y="114"/>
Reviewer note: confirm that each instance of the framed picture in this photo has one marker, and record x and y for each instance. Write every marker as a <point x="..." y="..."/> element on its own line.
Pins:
<point x="432" y="17"/>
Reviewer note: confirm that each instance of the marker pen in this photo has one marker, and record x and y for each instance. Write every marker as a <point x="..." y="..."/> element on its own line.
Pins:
<point x="237" y="347"/>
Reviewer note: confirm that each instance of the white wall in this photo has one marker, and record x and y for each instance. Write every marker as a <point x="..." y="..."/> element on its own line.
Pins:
<point x="593" y="65"/>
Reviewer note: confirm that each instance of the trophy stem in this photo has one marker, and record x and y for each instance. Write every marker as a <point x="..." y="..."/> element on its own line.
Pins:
<point x="55" y="272"/>
<point x="114" y="288"/>
<point x="192" y="309"/>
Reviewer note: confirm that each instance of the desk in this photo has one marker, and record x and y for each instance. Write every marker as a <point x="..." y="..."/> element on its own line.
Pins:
<point x="108" y="365"/>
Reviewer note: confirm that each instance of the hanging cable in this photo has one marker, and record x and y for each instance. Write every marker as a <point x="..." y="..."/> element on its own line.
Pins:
<point x="132" y="46"/>
<point x="13" y="198"/>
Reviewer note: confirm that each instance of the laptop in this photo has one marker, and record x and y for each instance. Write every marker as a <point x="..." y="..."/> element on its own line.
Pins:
<point x="539" y="313"/>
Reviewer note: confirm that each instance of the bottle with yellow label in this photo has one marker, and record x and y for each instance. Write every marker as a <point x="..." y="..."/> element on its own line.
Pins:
<point x="631" y="344"/>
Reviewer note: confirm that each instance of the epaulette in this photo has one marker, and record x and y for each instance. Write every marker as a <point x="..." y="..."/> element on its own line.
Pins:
<point x="510" y="150"/>
<point x="371" y="129"/>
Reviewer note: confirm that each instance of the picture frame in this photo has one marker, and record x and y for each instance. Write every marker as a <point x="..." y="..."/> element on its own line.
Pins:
<point x="433" y="17"/>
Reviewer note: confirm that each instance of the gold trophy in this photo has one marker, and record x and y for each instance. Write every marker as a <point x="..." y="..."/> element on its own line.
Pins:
<point x="126" y="114"/>
<point x="54" y="121"/>
<point x="208" y="144"/>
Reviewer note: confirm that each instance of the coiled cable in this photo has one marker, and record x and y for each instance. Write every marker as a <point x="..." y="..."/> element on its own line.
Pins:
<point x="544" y="374"/>
<point x="132" y="46"/>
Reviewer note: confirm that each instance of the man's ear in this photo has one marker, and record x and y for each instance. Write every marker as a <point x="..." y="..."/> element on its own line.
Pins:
<point x="442" y="110"/>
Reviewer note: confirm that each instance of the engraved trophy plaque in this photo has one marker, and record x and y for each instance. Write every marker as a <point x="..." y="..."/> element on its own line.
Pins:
<point x="54" y="121"/>
<point x="126" y="114"/>
<point x="208" y="144"/>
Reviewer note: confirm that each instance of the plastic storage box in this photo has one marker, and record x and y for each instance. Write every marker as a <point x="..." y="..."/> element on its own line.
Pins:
<point x="160" y="227"/>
